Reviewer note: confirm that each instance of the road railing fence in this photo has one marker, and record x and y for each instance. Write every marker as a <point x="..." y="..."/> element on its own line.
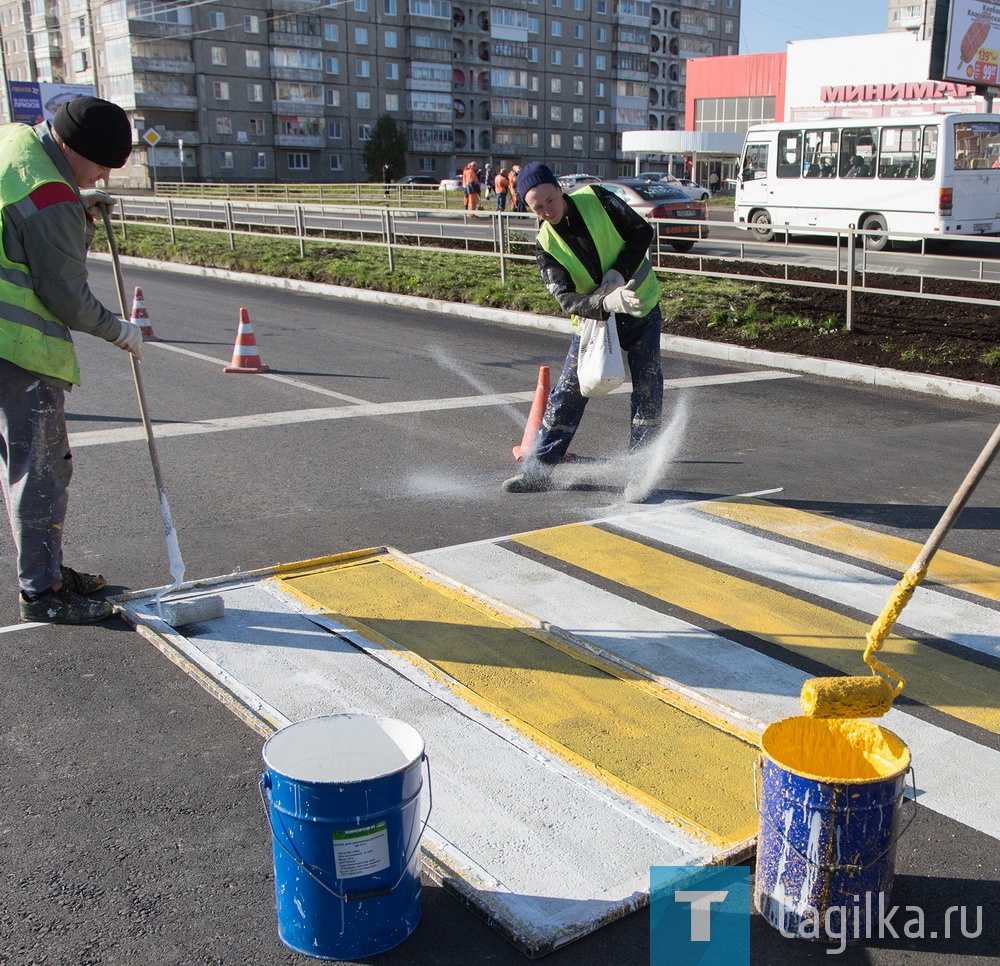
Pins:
<point x="505" y="237"/>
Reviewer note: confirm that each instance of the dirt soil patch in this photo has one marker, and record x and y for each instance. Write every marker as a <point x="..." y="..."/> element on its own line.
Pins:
<point x="960" y="339"/>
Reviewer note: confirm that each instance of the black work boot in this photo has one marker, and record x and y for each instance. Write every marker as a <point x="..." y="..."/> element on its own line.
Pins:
<point x="80" y="583"/>
<point x="64" y="607"/>
<point x="530" y="481"/>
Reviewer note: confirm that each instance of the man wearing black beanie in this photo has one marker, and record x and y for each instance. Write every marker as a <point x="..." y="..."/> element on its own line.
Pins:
<point x="47" y="185"/>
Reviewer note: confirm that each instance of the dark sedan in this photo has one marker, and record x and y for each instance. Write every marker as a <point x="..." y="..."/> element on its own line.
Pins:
<point x="656" y="200"/>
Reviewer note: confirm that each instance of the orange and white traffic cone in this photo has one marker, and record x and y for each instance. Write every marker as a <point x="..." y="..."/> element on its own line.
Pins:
<point x="246" y="355"/>
<point x="141" y="317"/>
<point x="534" y="423"/>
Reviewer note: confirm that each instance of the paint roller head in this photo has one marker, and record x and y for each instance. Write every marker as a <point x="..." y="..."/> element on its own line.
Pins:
<point x="178" y="613"/>
<point x="861" y="696"/>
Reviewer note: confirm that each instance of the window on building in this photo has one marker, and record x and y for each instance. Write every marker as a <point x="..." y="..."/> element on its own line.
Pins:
<point x="361" y="36"/>
<point x="599" y="89"/>
<point x="332" y="97"/>
<point x="556" y="58"/>
<point x="253" y="58"/>
<point x="577" y="142"/>
<point x="259" y="161"/>
<point x="555" y="141"/>
<point x="599" y="143"/>
<point x="555" y="28"/>
<point x="335" y="130"/>
<point x="298" y="161"/>
<point x="363" y="100"/>
<point x="578" y="31"/>
<point x="363" y="68"/>
<point x="255" y="93"/>
<point x="600" y="62"/>
<point x="331" y="32"/>
<point x="389" y="8"/>
<point x="224" y="125"/>
<point x="219" y="57"/>
<point x="602" y="6"/>
<point x="578" y="60"/>
<point x="336" y="162"/>
<point x="251" y="24"/>
<point x="364" y="132"/>
<point x="391" y="39"/>
<point x="727" y="27"/>
<point x="602" y="35"/>
<point x="578" y="115"/>
<point x="221" y="90"/>
<point x="578" y="4"/>
<point x="217" y="20"/>
<point x="333" y="65"/>
<point x="392" y="71"/>
<point x="555" y="113"/>
<point x="392" y="102"/>
<point x="361" y="6"/>
<point x="226" y="160"/>
<point x="555" y="85"/>
<point x="441" y="9"/>
<point x="601" y="116"/>
<point x="257" y="126"/>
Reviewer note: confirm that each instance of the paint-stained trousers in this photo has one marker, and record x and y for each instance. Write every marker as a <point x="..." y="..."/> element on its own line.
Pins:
<point x="36" y="469"/>
<point x="640" y="338"/>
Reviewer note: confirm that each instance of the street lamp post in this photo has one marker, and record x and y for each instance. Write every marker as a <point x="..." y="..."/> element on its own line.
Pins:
<point x="180" y="153"/>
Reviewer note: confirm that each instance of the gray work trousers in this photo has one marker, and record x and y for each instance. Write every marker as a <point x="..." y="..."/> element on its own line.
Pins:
<point x="36" y="467"/>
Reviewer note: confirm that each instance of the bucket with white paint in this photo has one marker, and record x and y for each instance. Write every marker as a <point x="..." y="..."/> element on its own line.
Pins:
<point x="342" y="794"/>
<point x="829" y="797"/>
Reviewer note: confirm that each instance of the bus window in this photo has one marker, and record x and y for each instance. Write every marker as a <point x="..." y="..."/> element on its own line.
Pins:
<point x="928" y="153"/>
<point x="976" y="143"/>
<point x="898" y="152"/>
<point x="857" y="152"/>
<point x="755" y="161"/>
<point x="790" y="154"/>
<point x="821" y="149"/>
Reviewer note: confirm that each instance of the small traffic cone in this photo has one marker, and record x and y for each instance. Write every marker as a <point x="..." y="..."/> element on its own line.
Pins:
<point x="246" y="355"/>
<point x="141" y="317"/>
<point x="534" y="423"/>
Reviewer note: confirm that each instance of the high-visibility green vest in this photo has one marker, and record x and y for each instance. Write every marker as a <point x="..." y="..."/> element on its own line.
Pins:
<point x="30" y="335"/>
<point x="609" y="244"/>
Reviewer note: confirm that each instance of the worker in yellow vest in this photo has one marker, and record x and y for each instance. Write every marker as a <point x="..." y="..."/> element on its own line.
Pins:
<point x="592" y="251"/>
<point x="48" y="177"/>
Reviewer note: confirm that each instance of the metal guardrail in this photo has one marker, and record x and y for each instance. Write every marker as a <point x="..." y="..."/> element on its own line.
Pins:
<point x="510" y="236"/>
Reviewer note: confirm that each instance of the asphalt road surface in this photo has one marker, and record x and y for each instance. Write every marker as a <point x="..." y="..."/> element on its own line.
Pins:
<point x="131" y="831"/>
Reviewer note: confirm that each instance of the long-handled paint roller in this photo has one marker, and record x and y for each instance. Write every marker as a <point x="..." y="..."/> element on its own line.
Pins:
<point x="872" y="696"/>
<point x="206" y="607"/>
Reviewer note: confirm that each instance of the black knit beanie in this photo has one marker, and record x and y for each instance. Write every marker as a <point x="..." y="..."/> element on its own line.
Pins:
<point x="97" y="130"/>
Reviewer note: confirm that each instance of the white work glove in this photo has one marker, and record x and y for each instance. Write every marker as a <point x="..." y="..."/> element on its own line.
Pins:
<point x="612" y="280"/>
<point x="130" y="338"/>
<point x="95" y="196"/>
<point x="623" y="300"/>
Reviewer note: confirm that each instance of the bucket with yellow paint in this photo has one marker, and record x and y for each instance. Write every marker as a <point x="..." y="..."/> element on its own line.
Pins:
<point x="829" y="796"/>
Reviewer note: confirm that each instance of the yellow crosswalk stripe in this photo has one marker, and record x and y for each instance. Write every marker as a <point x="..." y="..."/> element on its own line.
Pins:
<point x="621" y="730"/>
<point x="963" y="689"/>
<point x="948" y="569"/>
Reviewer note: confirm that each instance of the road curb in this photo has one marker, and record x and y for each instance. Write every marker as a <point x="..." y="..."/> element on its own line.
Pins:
<point x="875" y="376"/>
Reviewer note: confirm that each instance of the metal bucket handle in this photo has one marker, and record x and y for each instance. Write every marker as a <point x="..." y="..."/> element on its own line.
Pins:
<point x="822" y="866"/>
<point x="265" y="783"/>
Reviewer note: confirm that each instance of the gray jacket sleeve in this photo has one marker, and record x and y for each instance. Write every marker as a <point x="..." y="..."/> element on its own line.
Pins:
<point x="54" y="243"/>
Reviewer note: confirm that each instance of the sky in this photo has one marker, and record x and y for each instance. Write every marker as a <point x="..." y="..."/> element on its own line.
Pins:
<point x="766" y="25"/>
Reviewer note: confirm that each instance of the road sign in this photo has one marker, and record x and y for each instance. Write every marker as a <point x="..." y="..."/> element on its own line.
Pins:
<point x="151" y="137"/>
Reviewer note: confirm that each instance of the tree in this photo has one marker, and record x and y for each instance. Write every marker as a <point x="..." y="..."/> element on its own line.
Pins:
<point x="387" y="145"/>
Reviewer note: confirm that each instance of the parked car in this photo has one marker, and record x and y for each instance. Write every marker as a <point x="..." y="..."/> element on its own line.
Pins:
<point x="658" y="199"/>
<point x="571" y="181"/>
<point x="419" y="181"/>
<point x="691" y="188"/>
<point x="450" y="184"/>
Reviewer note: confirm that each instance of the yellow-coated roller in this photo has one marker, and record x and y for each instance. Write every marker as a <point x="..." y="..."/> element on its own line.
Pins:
<point x="871" y="696"/>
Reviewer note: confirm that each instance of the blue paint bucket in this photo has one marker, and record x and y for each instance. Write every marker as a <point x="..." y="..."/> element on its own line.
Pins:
<point x="342" y="794"/>
<point x="829" y="796"/>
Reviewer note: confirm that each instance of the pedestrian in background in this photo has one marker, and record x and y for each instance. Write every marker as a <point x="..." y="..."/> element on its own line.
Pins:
<point x="501" y="184"/>
<point x="592" y="253"/>
<point x="385" y="178"/>
<point x="48" y="176"/>
<point x="516" y="200"/>
<point x="473" y="188"/>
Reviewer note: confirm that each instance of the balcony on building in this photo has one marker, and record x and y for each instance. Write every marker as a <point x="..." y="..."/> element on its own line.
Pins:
<point x="161" y="65"/>
<point x="299" y="141"/>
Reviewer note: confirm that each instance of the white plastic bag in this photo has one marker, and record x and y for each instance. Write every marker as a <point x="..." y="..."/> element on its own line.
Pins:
<point x="600" y="367"/>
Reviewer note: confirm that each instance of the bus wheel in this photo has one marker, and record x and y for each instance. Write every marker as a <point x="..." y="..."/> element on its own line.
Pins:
<point x="875" y="243"/>
<point x="761" y="222"/>
<point x="682" y="246"/>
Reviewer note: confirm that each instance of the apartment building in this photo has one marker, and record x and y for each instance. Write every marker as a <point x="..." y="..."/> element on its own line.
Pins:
<point x="915" y="17"/>
<point x="289" y="90"/>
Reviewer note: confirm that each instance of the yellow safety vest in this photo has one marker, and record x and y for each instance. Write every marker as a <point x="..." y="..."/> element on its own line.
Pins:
<point x="609" y="244"/>
<point x="30" y="335"/>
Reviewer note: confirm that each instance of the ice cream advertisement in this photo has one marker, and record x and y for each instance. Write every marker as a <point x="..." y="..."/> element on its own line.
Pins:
<point x="973" y="53"/>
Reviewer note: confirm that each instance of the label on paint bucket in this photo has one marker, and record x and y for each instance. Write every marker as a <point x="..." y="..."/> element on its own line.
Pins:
<point x="361" y="851"/>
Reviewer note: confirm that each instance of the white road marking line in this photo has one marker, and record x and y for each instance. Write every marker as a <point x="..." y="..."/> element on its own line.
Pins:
<point x="27" y="625"/>
<point x="101" y="437"/>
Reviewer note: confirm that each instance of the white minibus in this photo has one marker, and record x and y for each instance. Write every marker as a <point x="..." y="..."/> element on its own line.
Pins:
<point x="931" y="174"/>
